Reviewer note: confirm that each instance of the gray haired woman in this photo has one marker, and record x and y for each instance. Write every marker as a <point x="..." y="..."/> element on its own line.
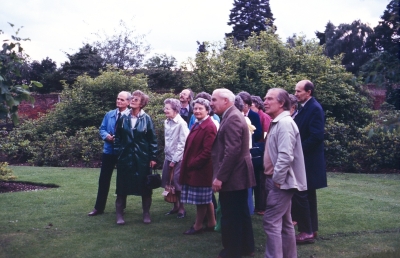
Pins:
<point x="176" y="131"/>
<point x="196" y="171"/>
<point x="293" y="105"/>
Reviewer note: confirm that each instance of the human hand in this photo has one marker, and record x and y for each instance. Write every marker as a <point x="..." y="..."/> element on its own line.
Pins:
<point x="153" y="164"/>
<point x="216" y="185"/>
<point x="172" y="164"/>
<point x="110" y="138"/>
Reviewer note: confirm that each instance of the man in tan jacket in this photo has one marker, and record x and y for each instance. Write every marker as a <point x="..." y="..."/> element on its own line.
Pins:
<point x="285" y="174"/>
<point x="232" y="175"/>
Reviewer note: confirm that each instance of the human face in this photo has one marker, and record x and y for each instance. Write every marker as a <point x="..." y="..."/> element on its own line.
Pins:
<point x="218" y="104"/>
<point x="169" y="112"/>
<point x="184" y="96"/>
<point x="135" y="103"/>
<point x="253" y="107"/>
<point x="272" y="107"/>
<point x="199" y="111"/>
<point x="245" y="108"/>
<point x="122" y="102"/>
<point x="301" y="95"/>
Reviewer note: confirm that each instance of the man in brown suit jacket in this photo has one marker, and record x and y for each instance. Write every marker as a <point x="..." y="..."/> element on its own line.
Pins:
<point x="232" y="176"/>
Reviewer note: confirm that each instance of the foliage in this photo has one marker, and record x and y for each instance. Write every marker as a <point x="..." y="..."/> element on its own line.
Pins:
<point x="68" y="134"/>
<point x="368" y="149"/>
<point x="47" y="73"/>
<point x="5" y="172"/>
<point x="386" y="36"/>
<point x="162" y="73"/>
<point x="249" y="16"/>
<point x="86" y="60"/>
<point x="60" y="150"/>
<point x="264" y="62"/>
<point x="349" y="40"/>
<point x="12" y="89"/>
<point x="123" y="49"/>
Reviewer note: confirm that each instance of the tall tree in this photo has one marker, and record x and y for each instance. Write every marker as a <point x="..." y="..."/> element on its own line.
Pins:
<point x="349" y="40"/>
<point x="124" y="49"/>
<point x="162" y="73"/>
<point x="86" y="60"/>
<point x="387" y="33"/>
<point x="249" y="16"/>
<point x="47" y="73"/>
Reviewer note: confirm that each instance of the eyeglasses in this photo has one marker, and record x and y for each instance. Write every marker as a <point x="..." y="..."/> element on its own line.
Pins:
<point x="135" y="100"/>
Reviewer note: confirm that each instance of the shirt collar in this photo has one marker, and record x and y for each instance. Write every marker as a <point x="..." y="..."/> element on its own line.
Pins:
<point x="202" y="120"/>
<point x="281" y="115"/>
<point x="306" y="101"/>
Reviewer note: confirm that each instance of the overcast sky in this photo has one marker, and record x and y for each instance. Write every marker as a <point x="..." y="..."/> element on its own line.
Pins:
<point x="171" y="26"/>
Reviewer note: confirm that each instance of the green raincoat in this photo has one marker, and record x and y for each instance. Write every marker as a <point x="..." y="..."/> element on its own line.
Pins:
<point x="135" y="147"/>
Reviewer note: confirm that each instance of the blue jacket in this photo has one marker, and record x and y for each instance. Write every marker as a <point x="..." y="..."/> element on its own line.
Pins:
<point x="107" y="127"/>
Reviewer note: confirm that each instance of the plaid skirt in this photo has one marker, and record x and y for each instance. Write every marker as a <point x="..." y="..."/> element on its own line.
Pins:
<point x="196" y="195"/>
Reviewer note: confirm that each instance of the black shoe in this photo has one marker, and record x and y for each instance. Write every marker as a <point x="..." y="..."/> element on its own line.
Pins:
<point x="171" y="212"/>
<point x="181" y="215"/>
<point x="193" y="231"/>
<point x="95" y="212"/>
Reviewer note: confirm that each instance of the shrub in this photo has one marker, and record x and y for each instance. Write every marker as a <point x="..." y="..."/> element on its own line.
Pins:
<point x="69" y="134"/>
<point x="5" y="172"/>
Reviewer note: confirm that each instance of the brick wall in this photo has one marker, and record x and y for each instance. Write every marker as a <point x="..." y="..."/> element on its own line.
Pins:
<point x="43" y="103"/>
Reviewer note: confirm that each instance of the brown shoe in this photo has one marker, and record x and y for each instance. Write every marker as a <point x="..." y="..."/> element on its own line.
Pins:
<point x="95" y="212"/>
<point x="304" y="238"/>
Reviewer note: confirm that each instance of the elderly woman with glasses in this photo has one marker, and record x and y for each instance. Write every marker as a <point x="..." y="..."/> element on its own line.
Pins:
<point x="176" y="131"/>
<point x="196" y="169"/>
<point x="136" y="147"/>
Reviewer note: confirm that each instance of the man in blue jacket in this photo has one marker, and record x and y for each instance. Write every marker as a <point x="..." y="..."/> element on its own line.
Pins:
<point x="310" y="120"/>
<point x="109" y="159"/>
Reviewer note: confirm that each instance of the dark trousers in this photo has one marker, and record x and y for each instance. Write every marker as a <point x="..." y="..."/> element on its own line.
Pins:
<point x="236" y="226"/>
<point x="107" y="166"/>
<point x="259" y="190"/>
<point x="304" y="211"/>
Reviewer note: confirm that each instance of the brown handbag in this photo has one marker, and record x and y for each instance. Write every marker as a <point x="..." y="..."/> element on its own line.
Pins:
<point x="169" y="192"/>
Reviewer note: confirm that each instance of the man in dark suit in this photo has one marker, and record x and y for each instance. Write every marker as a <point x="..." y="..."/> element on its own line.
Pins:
<point x="310" y="120"/>
<point x="186" y="97"/>
<point x="232" y="176"/>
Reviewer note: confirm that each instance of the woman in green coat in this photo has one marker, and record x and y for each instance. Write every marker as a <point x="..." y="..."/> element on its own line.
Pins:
<point x="136" y="146"/>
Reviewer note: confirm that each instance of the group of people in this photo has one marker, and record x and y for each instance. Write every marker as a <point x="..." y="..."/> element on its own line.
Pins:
<point x="233" y="145"/>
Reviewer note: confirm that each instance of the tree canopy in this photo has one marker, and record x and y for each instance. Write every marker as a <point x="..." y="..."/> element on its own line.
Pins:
<point x="349" y="40"/>
<point x="124" y="49"/>
<point x="267" y="62"/>
<point x="249" y="16"/>
<point x="86" y="60"/>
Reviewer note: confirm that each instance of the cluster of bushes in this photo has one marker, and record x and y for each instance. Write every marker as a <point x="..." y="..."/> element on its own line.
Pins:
<point x="373" y="148"/>
<point x="69" y="135"/>
<point x="356" y="139"/>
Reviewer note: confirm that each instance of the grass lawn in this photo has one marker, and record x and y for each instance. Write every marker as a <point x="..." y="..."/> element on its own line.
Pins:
<point x="359" y="217"/>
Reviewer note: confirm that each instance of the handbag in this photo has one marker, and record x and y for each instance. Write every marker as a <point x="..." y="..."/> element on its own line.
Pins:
<point x="169" y="192"/>
<point x="153" y="180"/>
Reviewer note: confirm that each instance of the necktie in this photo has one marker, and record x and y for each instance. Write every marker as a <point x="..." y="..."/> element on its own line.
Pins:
<point x="116" y="121"/>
